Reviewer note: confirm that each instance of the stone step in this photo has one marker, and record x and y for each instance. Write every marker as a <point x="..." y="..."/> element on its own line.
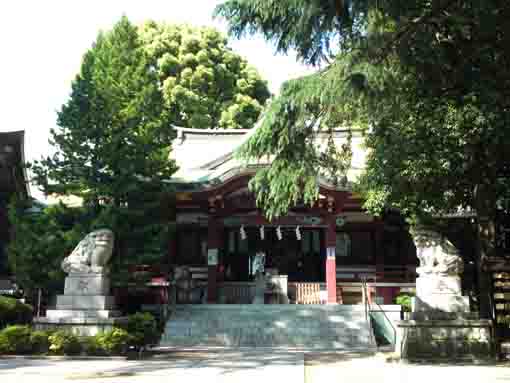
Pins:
<point x="59" y="314"/>
<point x="312" y="327"/>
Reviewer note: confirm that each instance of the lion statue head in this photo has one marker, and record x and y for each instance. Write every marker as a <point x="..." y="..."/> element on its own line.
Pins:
<point x="92" y="253"/>
<point x="437" y="254"/>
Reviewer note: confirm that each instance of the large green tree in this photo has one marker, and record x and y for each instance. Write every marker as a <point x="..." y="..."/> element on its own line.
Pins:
<point x="204" y="83"/>
<point x="41" y="237"/>
<point x="113" y="142"/>
<point x="114" y="132"/>
<point x="428" y="82"/>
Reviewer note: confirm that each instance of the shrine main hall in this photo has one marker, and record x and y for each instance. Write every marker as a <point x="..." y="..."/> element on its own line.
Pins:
<point x="323" y="253"/>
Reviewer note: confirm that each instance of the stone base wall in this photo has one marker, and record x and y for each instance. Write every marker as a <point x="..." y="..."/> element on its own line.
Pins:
<point x="459" y="339"/>
<point x="85" y="308"/>
<point x="79" y="326"/>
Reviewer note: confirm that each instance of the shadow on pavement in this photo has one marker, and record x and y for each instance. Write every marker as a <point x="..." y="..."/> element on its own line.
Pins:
<point x="313" y="359"/>
<point x="13" y="363"/>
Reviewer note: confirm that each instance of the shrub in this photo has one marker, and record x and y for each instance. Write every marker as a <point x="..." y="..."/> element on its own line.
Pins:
<point x="404" y="300"/>
<point x="39" y="342"/>
<point x="114" y="342"/>
<point x="14" y="312"/>
<point x="64" y="342"/>
<point x="92" y="346"/>
<point x="16" y="339"/>
<point x="142" y="327"/>
<point x="4" y="344"/>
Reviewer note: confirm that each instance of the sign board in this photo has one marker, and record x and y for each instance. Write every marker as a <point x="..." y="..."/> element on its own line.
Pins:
<point x="192" y="218"/>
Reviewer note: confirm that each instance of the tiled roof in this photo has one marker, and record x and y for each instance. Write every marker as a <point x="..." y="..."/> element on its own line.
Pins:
<point x="207" y="157"/>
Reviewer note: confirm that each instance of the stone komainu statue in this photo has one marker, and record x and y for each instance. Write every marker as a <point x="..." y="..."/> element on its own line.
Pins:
<point x="257" y="270"/>
<point x="437" y="254"/>
<point x="92" y="253"/>
<point x="258" y="263"/>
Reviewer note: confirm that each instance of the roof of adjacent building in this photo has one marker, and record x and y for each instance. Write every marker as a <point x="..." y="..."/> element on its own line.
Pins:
<point x="12" y="159"/>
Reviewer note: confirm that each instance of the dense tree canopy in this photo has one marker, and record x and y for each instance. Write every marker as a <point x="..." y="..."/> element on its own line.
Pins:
<point x="427" y="80"/>
<point x="115" y="132"/>
<point x="204" y="83"/>
<point x="40" y="241"/>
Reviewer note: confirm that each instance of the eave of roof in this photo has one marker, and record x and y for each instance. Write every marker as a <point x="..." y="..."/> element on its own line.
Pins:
<point x="17" y="140"/>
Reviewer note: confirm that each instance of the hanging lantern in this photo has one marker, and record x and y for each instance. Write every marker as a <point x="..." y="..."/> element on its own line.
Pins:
<point x="279" y="233"/>
<point x="262" y="232"/>
<point x="298" y="234"/>
<point x="242" y="232"/>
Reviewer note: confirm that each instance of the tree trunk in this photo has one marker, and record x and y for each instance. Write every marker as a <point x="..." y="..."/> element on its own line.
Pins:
<point x="485" y="241"/>
<point x="485" y="247"/>
<point x="39" y="293"/>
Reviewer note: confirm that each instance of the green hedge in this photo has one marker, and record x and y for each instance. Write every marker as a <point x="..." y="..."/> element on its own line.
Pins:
<point x="16" y="339"/>
<point x="405" y="301"/>
<point x="21" y="339"/>
<point x="14" y="312"/>
<point x="39" y="342"/>
<point x="141" y="329"/>
<point x="114" y="342"/>
<point x="65" y="343"/>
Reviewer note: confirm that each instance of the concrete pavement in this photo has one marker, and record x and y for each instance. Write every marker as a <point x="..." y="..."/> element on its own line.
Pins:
<point x="246" y="367"/>
<point x="173" y="367"/>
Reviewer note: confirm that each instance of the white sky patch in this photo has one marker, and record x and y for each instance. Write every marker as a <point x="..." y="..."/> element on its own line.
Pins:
<point x="42" y="43"/>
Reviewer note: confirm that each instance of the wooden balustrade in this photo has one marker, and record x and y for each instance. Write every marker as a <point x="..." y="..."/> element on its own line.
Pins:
<point x="244" y="292"/>
<point x="306" y="293"/>
<point x="236" y="292"/>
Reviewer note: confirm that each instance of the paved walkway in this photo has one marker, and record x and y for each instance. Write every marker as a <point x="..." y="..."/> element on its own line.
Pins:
<point x="246" y="367"/>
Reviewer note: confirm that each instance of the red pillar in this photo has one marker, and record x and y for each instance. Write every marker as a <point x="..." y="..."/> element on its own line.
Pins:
<point x="213" y="248"/>
<point x="331" y="260"/>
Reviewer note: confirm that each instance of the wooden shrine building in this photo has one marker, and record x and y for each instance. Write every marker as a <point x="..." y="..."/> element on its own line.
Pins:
<point x="324" y="251"/>
<point x="12" y="182"/>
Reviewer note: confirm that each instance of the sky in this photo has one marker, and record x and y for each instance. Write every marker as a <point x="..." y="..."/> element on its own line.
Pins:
<point x="42" y="43"/>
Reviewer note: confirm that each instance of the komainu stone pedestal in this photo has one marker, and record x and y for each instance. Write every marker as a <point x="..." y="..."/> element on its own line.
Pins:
<point x="446" y="337"/>
<point x="85" y="308"/>
<point x="440" y="293"/>
<point x="441" y="326"/>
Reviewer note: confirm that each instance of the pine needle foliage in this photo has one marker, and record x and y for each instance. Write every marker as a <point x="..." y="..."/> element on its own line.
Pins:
<point x="427" y="81"/>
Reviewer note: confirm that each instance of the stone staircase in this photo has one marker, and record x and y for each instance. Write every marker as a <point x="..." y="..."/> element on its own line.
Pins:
<point x="308" y="327"/>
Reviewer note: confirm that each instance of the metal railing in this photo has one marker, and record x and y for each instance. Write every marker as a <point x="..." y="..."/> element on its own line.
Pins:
<point x="364" y="291"/>
<point x="368" y="310"/>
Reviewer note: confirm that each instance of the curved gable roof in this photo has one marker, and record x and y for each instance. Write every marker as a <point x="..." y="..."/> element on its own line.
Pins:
<point x="207" y="156"/>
